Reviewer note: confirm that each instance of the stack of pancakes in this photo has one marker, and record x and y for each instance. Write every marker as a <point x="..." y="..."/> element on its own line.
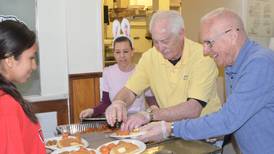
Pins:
<point x="80" y="151"/>
<point x="67" y="141"/>
<point x="124" y="148"/>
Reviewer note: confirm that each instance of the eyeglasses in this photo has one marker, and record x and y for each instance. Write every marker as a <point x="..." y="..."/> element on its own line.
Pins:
<point x="210" y="43"/>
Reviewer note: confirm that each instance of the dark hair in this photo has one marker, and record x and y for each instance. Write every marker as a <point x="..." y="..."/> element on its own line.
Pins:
<point x="122" y="39"/>
<point x="15" y="38"/>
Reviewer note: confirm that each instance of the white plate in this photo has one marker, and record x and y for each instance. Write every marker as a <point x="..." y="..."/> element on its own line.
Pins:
<point x="132" y="135"/>
<point x="54" y="147"/>
<point x="69" y="149"/>
<point x="141" y="145"/>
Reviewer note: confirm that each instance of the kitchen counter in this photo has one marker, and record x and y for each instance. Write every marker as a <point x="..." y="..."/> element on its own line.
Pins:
<point x="172" y="146"/>
<point x="169" y="146"/>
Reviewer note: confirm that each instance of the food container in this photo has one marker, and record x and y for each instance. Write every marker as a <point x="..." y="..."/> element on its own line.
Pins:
<point x="83" y="127"/>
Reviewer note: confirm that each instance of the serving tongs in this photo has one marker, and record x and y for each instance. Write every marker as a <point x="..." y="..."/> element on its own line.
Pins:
<point x="117" y="124"/>
<point x="83" y="120"/>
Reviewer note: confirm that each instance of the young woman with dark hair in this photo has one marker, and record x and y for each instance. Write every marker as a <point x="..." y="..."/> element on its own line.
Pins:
<point x="20" y="131"/>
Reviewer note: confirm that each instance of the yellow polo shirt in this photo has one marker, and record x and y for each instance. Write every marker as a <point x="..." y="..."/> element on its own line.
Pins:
<point x="194" y="76"/>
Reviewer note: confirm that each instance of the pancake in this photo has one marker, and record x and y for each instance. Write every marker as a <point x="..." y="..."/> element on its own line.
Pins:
<point x="124" y="148"/>
<point x="70" y="141"/>
<point x="122" y="133"/>
<point x="82" y="150"/>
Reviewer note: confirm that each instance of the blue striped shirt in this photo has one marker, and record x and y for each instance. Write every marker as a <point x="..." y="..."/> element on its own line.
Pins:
<point x="249" y="108"/>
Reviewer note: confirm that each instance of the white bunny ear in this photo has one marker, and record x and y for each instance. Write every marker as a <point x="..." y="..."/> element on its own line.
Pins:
<point x="125" y="27"/>
<point x="116" y="28"/>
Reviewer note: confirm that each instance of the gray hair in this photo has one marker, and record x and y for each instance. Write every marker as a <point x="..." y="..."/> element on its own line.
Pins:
<point x="174" y="19"/>
<point x="227" y="15"/>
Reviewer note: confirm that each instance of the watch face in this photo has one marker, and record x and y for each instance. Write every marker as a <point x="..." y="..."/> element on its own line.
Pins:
<point x="150" y="113"/>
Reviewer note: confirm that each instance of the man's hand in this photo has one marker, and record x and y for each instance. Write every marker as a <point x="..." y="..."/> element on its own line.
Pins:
<point x="155" y="131"/>
<point x="86" y="113"/>
<point x="117" y="111"/>
<point x="136" y="120"/>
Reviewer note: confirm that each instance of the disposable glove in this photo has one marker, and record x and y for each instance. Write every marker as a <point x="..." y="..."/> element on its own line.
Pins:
<point x="136" y="120"/>
<point x="116" y="112"/>
<point x="86" y="113"/>
<point x="155" y="131"/>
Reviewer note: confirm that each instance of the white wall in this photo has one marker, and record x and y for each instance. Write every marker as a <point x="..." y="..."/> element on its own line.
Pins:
<point x="24" y="10"/>
<point x="193" y="10"/>
<point x="84" y="39"/>
<point x="70" y="42"/>
<point x="51" y="32"/>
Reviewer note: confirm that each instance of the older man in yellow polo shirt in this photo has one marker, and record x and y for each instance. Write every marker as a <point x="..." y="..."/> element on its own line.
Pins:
<point x="182" y="79"/>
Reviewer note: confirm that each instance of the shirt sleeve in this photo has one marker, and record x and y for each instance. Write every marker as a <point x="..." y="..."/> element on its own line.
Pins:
<point x="204" y="78"/>
<point x="100" y="109"/>
<point x="139" y="81"/>
<point x="248" y="97"/>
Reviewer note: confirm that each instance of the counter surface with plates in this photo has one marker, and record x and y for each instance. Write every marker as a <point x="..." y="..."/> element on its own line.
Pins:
<point x="173" y="145"/>
<point x="97" y="135"/>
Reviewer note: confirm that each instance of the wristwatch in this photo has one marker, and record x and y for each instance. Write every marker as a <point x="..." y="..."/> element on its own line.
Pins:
<point x="172" y="129"/>
<point x="149" y="111"/>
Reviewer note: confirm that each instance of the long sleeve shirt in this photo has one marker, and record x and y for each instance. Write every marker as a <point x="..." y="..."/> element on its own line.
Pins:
<point x="113" y="81"/>
<point x="249" y="108"/>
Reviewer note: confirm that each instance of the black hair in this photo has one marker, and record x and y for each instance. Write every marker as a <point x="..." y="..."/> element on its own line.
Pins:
<point x="122" y="39"/>
<point x="15" y="38"/>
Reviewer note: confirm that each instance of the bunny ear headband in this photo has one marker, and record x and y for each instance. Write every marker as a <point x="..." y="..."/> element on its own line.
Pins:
<point x="9" y="17"/>
<point x="116" y="28"/>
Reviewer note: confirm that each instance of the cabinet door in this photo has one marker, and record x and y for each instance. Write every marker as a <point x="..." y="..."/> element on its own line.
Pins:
<point x="84" y="36"/>
<point x="84" y="93"/>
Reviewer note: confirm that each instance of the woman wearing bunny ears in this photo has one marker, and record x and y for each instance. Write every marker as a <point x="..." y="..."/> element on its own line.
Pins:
<point x="20" y="131"/>
<point x="115" y="76"/>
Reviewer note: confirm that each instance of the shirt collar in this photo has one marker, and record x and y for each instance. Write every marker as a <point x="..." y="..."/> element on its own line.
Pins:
<point x="233" y="69"/>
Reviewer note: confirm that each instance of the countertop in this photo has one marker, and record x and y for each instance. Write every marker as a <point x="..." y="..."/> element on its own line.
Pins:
<point x="173" y="146"/>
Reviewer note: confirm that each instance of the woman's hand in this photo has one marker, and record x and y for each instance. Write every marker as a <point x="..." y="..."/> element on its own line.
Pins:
<point x="86" y="113"/>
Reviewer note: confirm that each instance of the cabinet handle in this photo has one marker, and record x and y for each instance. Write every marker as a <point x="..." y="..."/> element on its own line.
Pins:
<point x="136" y="38"/>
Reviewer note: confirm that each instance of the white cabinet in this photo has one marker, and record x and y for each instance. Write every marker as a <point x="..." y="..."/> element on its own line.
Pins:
<point x="51" y="34"/>
<point x="84" y="36"/>
<point x="70" y="42"/>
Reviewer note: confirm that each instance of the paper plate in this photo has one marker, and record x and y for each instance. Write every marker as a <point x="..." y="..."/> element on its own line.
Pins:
<point x="141" y="145"/>
<point x="54" y="147"/>
<point x="131" y="135"/>
<point x="70" y="149"/>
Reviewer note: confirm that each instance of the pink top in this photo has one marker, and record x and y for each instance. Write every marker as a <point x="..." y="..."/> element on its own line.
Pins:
<point x="114" y="80"/>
